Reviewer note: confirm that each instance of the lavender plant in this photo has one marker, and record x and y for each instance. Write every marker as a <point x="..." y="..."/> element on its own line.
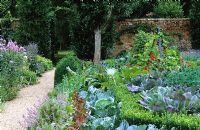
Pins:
<point x="171" y="99"/>
<point x="56" y="113"/>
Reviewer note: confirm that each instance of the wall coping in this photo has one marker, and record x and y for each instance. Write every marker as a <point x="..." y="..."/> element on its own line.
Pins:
<point x="155" y="19"/>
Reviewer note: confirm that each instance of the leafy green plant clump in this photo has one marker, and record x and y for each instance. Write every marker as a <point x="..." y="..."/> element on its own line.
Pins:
<point x="169" y="9"/>
<point x="70" y="61"/>
<point x="102" y="108"/>
<point x="28" y="77"/>
<point x="151" y="56"/>
<point x="186" y="77"/>
<point x="56" y="113"/>
<point x="46" y="63"/>
<point x="172" y="99"/>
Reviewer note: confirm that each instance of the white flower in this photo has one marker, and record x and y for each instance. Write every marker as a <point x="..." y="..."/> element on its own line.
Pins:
<point x="25" y="57"/>
<point x="111" y="71"/>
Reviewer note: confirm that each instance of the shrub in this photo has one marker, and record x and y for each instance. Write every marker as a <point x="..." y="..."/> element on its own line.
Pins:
<point x="28" y="77"/>
<point x="195" y="24"/>
<point x="40" y="64"/>
<point x="62" y="54"/>
<point x="135" y="114"/>
<point x="168" y="9"/>
<point x="14" y="70"/>
<point x="61" y="69"/>
<point x="46" y="63"/>
<point x="7" y="94"/>
<point x="33" y="17"/>
<point x="11" y="66"/>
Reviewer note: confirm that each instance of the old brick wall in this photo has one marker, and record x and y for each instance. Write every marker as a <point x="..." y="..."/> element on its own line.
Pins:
<point x="177" y="28"/>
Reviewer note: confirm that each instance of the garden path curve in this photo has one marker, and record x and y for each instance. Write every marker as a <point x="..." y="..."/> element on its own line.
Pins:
<point x="14" y="110"/>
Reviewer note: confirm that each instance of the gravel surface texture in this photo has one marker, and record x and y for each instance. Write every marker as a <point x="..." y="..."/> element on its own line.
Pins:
<point x="14" y="110"/>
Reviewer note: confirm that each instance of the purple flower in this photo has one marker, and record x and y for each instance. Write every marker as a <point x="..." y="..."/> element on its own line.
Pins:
<point x="12" y="46"/>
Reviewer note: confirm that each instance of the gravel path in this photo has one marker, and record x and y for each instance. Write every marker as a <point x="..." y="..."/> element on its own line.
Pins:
<point x="15" y="109"/>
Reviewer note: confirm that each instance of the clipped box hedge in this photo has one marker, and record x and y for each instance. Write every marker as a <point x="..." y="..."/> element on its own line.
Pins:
<point x="135" y="114"/>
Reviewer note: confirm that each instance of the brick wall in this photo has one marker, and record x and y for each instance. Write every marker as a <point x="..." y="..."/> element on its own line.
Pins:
<point x="178" y="28"/>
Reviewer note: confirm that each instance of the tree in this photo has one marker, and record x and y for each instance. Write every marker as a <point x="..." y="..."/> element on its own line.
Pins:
<point x="195" y="24"/>
<point x="99" y="13"/>
<point x="34" y="24"/>
<point x="8" y="7"/>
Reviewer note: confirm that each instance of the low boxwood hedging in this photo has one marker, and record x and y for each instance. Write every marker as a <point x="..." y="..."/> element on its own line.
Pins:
<point x="135" y="114"/>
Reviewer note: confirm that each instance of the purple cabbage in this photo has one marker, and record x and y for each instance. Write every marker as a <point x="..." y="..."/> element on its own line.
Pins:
<point x="171" y="99"/>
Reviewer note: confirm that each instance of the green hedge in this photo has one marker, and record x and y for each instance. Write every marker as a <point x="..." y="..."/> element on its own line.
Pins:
<point x="71" y="61"/>
<point x="135" y="114"/>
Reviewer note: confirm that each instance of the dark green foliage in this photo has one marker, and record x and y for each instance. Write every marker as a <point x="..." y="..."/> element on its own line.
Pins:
<point x="186" y="77"/>
<point x="5" y="27"/>
<point x="61" y="69"/>
<point x="84" y="40"/>
<point x="195" y="24"/>
<point x="168" y="9"/>
<point x="34" y="24"/>
<point x="7" y="94"/>
<point x="135" y="114"/>
<point x="62" y="54"/>
<point x="66" y="20"/>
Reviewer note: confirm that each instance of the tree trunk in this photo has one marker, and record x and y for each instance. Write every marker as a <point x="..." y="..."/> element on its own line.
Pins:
<point x="97" y="52"/>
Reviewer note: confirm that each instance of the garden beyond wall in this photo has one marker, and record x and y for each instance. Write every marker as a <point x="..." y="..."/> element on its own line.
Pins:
<point x="178" y="28"/>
